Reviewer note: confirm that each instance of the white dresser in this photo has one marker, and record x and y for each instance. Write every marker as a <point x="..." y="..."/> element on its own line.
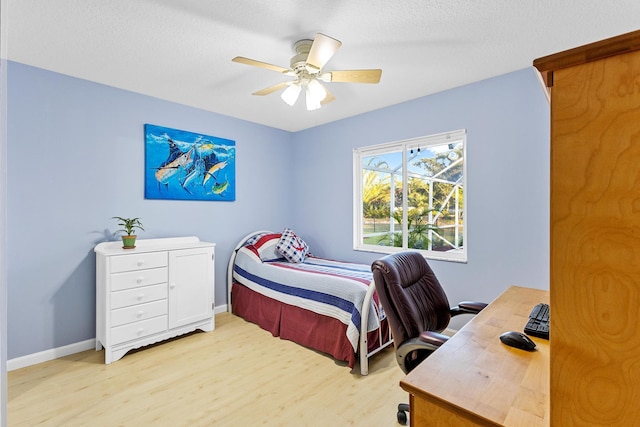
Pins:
<point x="160" y="289"/>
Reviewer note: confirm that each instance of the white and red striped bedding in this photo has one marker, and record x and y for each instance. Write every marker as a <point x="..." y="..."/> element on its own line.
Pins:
<point x="331" y="288"/>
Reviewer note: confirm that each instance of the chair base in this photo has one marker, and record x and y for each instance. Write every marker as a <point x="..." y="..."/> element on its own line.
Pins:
<point x="403" y="409"/>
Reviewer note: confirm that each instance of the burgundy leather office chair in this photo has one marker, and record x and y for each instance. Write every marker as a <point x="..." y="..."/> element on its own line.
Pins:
<point x="416" y="307"/>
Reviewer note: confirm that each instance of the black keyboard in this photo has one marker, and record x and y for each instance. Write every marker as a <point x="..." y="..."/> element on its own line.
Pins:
<point x="538" y="324"/>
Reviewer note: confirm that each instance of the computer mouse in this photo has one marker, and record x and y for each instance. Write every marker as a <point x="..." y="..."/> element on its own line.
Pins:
<point x="518" y="340"/>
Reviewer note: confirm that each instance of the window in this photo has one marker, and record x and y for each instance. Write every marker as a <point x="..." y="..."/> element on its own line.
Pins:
<point x="411" y="195"/>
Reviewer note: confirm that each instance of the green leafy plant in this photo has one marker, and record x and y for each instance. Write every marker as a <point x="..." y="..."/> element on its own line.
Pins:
<point x="418" y="227"/>
<point x="129" y="224"/>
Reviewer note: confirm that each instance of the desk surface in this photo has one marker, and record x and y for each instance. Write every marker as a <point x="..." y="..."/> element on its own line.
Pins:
<point x="474" y="379"/>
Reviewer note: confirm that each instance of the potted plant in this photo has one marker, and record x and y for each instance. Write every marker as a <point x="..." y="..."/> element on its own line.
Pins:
<point x="128" y="226"/>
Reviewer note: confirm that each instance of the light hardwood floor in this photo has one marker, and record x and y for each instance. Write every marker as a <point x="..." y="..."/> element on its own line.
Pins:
<point x="237" y="375"/>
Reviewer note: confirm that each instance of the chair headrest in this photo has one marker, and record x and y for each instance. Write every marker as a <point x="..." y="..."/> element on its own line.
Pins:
<point x="403" y="268"/>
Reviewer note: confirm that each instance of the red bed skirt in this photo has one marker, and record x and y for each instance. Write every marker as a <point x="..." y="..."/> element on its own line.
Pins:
<point x="299" y="325"/>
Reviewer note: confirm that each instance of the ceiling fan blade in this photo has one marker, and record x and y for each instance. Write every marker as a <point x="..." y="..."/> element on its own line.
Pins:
<point x="243" y="60"/>
<point x="322" y="49"/>
<point x="271" y="89"/>
<point x="327" y="99"/>
<point x="356" y="76"/>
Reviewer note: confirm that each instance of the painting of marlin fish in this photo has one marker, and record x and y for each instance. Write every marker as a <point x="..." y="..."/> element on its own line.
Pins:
<point x="181" y="165"/>
<point x="174" y="164"/>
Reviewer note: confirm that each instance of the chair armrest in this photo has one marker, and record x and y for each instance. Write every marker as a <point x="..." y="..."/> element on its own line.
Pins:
<point x="434" y="339"/>
<point x="426" y="343"/>
<point x="468" y="307"/>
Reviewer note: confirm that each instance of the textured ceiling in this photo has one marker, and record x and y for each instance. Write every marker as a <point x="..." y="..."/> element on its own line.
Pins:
<point x="181" y="50"/>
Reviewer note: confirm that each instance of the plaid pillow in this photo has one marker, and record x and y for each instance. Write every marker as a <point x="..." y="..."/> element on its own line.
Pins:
<point x="293" y="248"/>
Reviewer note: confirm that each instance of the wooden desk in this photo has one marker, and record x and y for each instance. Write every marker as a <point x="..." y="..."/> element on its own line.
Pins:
<point x="475" y="380"/>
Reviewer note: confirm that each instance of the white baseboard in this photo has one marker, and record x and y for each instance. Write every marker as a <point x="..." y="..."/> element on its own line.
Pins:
<point x="56" y="353"/>
<point x="46" y="355"/>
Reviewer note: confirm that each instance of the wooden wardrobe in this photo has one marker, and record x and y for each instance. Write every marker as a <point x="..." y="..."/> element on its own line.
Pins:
<point x="595" y="232"/>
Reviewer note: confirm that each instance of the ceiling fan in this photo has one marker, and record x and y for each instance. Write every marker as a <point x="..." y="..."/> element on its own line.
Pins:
<point x="307" y="67"/>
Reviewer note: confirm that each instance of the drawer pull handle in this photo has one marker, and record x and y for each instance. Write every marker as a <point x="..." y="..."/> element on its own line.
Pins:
<point x="140" y="331"/>
<point x="140" y="263"/>
<point x="140" y="314"/>
<point x="140" y="296"/>
<point x="172" y="286"/>
<point x="140" y="279"/>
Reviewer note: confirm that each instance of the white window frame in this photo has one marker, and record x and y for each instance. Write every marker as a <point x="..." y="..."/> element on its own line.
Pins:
<point x="404" y="146"/>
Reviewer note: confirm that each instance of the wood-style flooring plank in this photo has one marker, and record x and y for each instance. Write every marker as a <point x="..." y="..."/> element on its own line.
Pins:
<point x="237" y="375"/>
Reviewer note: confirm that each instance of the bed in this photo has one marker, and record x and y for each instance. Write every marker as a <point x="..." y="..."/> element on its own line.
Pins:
<point x="320" y="303"/>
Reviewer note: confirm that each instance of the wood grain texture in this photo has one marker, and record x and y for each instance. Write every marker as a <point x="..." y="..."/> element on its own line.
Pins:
<point x="475" y="380"/>
<point x="624" y="43"/>
<point x="595" y="243"/>
<point x="237" y="375"/>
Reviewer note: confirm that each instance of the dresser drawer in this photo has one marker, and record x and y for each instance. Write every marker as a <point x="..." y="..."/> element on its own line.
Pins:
<point x="140" y="261"/>
<point x="135" y="296"/>
<point x="139" y="312"/>
<point x="136" y="330"/>
<point x="135" y="279"/>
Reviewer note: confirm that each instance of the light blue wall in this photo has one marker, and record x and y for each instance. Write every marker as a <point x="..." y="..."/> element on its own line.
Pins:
<point x="76" y="153"/>
<point x="75" y="159"/>
<point x="507" y="210"/>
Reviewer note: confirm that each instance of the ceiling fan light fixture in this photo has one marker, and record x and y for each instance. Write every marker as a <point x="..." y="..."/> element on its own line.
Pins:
<point x="291" y="93"/>
<point x="312" y="103"/>
<point x="315" y="94"/>
<point x="317" y="91"/>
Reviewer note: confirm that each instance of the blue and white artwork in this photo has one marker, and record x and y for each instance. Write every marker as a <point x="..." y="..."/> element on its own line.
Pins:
<point x="181" y="165"/>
